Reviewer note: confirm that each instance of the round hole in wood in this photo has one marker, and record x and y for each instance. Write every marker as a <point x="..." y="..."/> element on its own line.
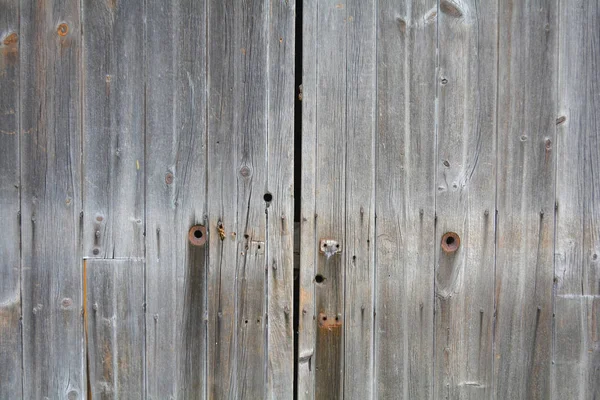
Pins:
<point x="197" y="235"/>
<point x="450" y="242"/>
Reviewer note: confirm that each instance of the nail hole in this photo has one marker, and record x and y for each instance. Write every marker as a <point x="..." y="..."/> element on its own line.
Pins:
<point x="337" y="245"/>
<point x="450" y="242"/>
<point x="324" y="317"/>
<point x="319" y="278"/>
<point x="198" y="234"/>
<point x="268" y="197"/>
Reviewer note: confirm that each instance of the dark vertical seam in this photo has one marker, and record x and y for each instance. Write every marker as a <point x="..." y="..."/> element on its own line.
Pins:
<point x="145" y="263"/>
<point x="206" y="217"/>
<point x="267" y="237"/>
<point x="19" y="213"/>
<point x="314" y="190"/>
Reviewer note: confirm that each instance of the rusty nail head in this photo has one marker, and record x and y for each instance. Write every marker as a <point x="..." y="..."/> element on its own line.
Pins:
<point x="197" y="235"/>
<point x="450" y="242"/>
<point x="63" y="29"/>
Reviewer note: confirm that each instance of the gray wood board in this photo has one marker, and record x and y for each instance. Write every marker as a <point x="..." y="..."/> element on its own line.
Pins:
<point x="359" y="237"/>
<point x="280" y="212"/>
<point x="175" y="173"/>
<point x="330" y="198"/>
<point x="405" y="202"/>
<point x="53" y="357"/>
<point x="10" y="290"/>
<point x="526" y="164"/>
<point x="113" y="128"/>
<point x="577" y="272"/>
<point x="114" y="326"/>
<point x="465" y="198"/>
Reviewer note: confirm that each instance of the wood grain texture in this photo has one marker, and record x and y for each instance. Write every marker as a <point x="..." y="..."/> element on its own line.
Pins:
<point x="359" y="199"/>
<point x="114" y="318"/>
<point x="113" y="128"/>
<point x="10" y="269"/>
<point x="175" y="198"/>
<point x="330" y="210"/>
<point x="405" y="202"/>
<point x="525" y="231"/>
<point x="280" y="211"/>
<point x="465" y="198"/>
<point x="308" y="187"/>
<point x="50" y="43"/>
<point x="577" y="273"/>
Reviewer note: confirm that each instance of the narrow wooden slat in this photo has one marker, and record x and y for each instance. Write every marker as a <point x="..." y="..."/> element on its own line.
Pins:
<point x="406" y="85"/>
<point x="360" y="203"/>
<point x="53" y="357"/>
<point x="175" y="198"/>
<point x="308" y="238"/>
<point x="251" y="323"/>
<point x="577" y="272"/>
<point x="280" y="213"/>
<point x="330" y="198"/>
<point x="465" y="198"/>
<point x="10" y="291"/>
<point x="525" y="227"/>
<point x="223" y="47"/>
<point x="250" y="113"/>
<point x="114" y="317"/>
<point x="113" y="128"/>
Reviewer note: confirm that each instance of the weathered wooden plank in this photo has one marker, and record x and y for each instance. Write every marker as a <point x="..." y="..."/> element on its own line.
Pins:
<point x="10" y="290"/>
<point x="53" y="357"/>
<point x="223" y="161"/>
<point x="114" y="324"/>
<point x="113" y="129"/>
<point x="405" y="171"/>
<point x="330" y="197"/>
<point x="175" y="198"/>
<point x="525" y="199"/>
<point x="465" y="198"/>
<point x="280" y="211"/>
<point x="359" y="200"/>
<point x="577" y="347"/>
<point x="577" y="271"/>
<point x="250" y="113"/>
<point x="308" y="187"/>
<point x="251" y="343"/>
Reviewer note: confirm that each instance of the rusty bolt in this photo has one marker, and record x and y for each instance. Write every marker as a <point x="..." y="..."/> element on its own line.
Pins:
<point x="450" y="242"/>
<point x="63" y="29"/>
<point x="197" y="235"/>
<point x="169" y="178"/>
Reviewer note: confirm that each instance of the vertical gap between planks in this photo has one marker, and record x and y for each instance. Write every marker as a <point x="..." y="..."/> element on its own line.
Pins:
<point x="297" y="185"/>
<point x="19" y="161"/>
<point x="315" y="238"/>
<point x="145" y="124"/>
<point x="265" y="313"/>
<point x="344" y="259"/>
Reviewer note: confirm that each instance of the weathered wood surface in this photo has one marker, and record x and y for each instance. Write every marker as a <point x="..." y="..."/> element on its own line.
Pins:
<point x="10" y="283"/>
<point x="114" y="325"/>
<point x="527" y="62"/>
<point x="175" y="169"/>
<point x="576" y="359"/>
<point x="359" y="237"/>
<point x="113" y="129"/>
<point x="465" y="199"/>
<point x="405" y="196"/>
<point x="50" y="78"/>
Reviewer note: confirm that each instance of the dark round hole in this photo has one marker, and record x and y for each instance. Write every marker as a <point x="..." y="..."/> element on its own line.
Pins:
<point x="268" y="197"/>
<point x="319" y="278"/>
<point x="197" y="234"/>
<point x="324" y="244"/>
<point x="449" y="240"/>
<point x="337" y="245"/>
<point x="324" y="318"/>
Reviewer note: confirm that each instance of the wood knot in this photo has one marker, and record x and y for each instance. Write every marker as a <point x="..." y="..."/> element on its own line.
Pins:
<point x="11" y="39"/>
<point x="197" y="235"/>
<point x="450" y="242"/>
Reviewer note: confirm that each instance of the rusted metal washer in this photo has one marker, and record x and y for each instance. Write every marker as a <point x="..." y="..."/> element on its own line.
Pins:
<point x="450" y="242"/>
<point x="197" y="235"/>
